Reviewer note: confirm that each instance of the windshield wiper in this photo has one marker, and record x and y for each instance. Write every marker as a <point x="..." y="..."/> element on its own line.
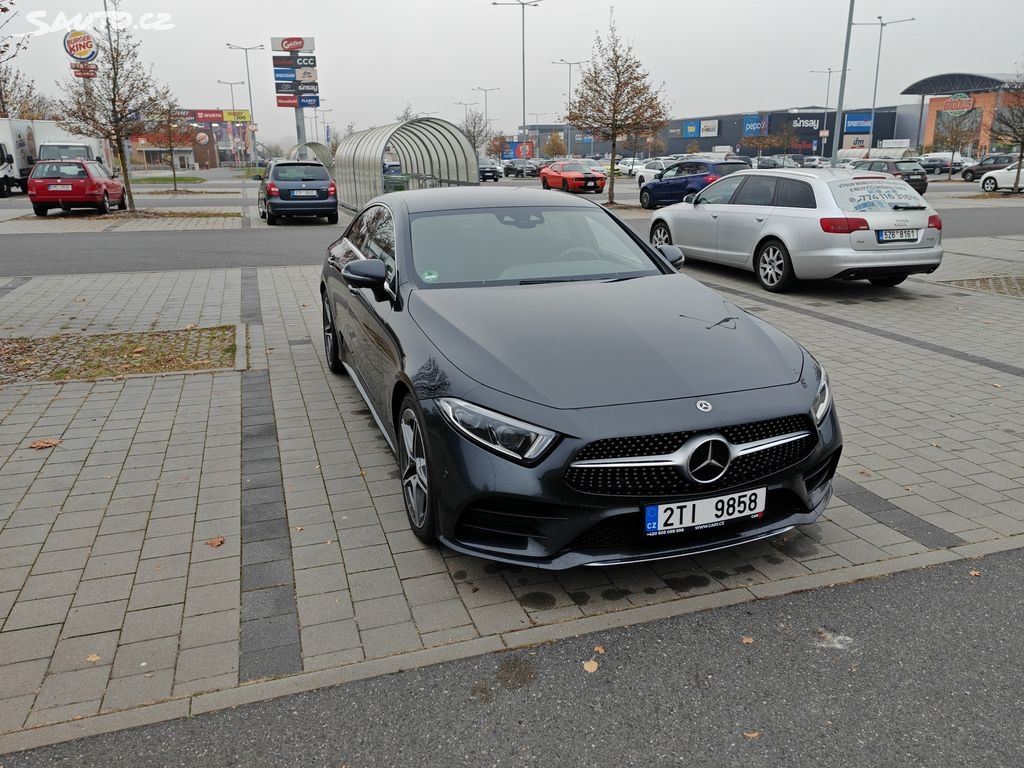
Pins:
<point x="905" y="207"/>
<point x="543" y="280"/>
<point x="625" y="277"/>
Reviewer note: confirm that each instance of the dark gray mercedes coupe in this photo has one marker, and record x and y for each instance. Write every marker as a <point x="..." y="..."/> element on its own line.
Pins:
<point x="558" y="394"/>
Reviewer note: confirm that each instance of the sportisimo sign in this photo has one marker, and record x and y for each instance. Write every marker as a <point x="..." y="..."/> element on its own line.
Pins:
<point x="857" y="122"/>
<point x="80" y="46"/>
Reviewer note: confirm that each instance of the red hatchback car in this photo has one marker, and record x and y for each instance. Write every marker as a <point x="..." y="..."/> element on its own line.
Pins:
<point x="571" y="176"/>
<point x="68" y="184"/>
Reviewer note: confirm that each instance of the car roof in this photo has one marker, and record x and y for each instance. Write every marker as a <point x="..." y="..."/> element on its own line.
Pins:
<point x="455" y="198"/>
<point x="825" y="174"/>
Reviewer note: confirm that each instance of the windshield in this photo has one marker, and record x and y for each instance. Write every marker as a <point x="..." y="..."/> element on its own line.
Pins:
<point x="874" y="194"/>
<point x="58" y="171"/>
<point x="64" y="152"/>
<point x="573" y="167"/>
<point x="300" y="173"/>
<point x="503" y="246"/>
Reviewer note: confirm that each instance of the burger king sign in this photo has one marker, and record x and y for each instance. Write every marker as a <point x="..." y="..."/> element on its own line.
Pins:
<point x="80" y="46"/>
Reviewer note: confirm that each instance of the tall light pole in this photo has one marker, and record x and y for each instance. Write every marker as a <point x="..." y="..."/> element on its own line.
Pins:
<point x="248" y="79"/>
<point x="878" y="61"/>
<point x="467" y="105"/>
<point x="568" y="129"/>
<point x="824" y="117"/>
<point x="522" y="5"/>
<point x="842" y="83"/>
<point x="231" y="123"/>
<point x="487" y="120"/>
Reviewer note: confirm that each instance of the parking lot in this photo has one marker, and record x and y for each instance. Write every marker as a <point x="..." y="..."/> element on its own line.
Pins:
<point x="200" y="540"/>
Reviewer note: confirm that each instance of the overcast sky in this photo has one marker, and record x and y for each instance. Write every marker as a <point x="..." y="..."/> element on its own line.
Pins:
<point x="714" y="56"/>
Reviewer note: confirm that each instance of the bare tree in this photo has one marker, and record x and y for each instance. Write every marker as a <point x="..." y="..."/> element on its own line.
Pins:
<point x="954" y="132"/>
<point x="406" y="114"/>
<point x="120" y="101"/>
<point x="554" y="146"/>
<point x="171" y="132"/>
<point x="1007" y="127"/>
<point x="475" y="128"/>
<point x="10" y="46"/>
<point x="350" y="128"/>
<point x="17" y="92"/>
<point x="615" y="97"/>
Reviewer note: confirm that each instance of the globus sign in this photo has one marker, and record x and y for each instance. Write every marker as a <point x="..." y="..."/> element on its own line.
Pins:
<point x="80" y="46"/>
<point x="958" y="104"/>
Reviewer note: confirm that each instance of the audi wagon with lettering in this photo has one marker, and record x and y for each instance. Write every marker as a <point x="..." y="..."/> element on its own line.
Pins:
<point x="565" y="396"/>
<point x="807" y="224"/>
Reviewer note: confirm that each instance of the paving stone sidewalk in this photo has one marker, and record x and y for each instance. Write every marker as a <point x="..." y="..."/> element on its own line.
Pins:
<point x="79" y="221"/>
<point x="194" y="535"/>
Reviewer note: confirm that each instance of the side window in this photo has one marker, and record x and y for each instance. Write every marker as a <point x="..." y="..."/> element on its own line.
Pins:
<point x="721" y="191"/>
<point x="675" y="170"/>
<point x="759" y="190"/>
<point x="698" y="169"/>
<point x="883" y="167"/>
<point x="358" y="233"/>
<point x="795" y="194"/>
<point x="380" y="243"/>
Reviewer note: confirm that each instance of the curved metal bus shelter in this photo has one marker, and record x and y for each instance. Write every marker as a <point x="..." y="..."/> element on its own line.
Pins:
<point x="320" y="152"/>
<point x="429" y="153"/>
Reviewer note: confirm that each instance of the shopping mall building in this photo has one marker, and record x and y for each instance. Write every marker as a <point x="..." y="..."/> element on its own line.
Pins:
<point x="812" y="130"/>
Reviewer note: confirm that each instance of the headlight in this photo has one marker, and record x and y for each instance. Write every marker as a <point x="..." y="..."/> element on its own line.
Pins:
<point x="501" y="434"/>
<point x="823" y="398"/>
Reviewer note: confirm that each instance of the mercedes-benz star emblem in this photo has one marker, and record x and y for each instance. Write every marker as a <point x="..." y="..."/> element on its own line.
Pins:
<point x="704" y="406"/>
<point x="709" y="460"/>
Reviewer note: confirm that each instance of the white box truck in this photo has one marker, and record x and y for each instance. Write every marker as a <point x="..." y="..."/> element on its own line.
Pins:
<point x="23" y="142"/>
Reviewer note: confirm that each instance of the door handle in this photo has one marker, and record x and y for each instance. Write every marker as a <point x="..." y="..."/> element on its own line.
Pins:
<point x="759" y="218"/>
<point x="714" y="215"/>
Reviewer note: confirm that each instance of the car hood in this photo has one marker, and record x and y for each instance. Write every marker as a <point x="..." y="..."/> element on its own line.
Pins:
<point x="596" y="343"/>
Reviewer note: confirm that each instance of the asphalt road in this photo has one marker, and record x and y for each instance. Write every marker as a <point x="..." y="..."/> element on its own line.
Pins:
<point x="918" y="669"/>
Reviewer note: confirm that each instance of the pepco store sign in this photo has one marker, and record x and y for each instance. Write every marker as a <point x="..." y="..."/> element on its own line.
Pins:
<point x="293" y="44"/>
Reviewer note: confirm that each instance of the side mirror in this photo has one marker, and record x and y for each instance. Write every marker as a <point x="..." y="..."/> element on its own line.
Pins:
<point x="115" y="173"/>
<point x="31" y="160"/>
<point x="99" y="160"/>
<point x="659" y="174"/>
<point x="9" y="159"/>
<point x="365" y="273"/>
<point x="258" y="177"/>
<point x="673" y="253"/>
<point x="690" y="198"/>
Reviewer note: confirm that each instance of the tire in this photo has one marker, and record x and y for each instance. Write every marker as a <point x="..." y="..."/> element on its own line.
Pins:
<point x="968" y="176"/>
<point x="414" y="473"/>
<point x="887" y="282"/>
<point x="332" y="345"/>
<point x="565" y="185"/>
<point x="544" y="183"/>
<point x="40" y="210"/>
<point x="261" y="210"/>
<point x="660" y="234"/>
<point x="645" y="199"/>
<point x="639" y="181"/>
<point x="989" y="185"/>
<point x="332" y="218"/>
<point x="122" y="204"/>
<point x="5" y="189"/>
<point x="773" y="267"/>
<point x="271" y="218"/>
<point x="104" y="207"/>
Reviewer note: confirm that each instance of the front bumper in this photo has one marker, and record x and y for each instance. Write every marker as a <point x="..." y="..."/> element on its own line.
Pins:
<point x="530" y="516"/>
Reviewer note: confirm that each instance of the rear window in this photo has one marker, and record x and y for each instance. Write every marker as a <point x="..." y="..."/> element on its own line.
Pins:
<point x="873" y="194"/>
<point x="724" y="169"/>
<point x="909" y="166"/>
<point x="58" y="171"/>
<point x="300" y="173"/>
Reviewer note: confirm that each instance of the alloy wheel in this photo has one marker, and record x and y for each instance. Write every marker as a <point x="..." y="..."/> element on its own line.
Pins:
<point x="415" y="484"/>
<point x="660" y="235"/>
<point x="771" y="266"/>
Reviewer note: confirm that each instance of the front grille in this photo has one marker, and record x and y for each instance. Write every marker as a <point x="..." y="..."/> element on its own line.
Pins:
<point x="627" y="531"/>
<point x="670" y="481"/>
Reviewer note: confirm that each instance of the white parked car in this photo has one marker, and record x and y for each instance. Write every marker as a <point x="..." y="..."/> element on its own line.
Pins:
<point x="808" y="224"/>
<point x="650" y="169"/>
<point x="1003" y="179"/>
<point x="626" y="165"/>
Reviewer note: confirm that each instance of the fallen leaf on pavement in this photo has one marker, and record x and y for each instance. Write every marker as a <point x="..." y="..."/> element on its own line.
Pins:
<point x="974" y="572"/>
<point x="998" y="386"/>
<point x="747" y="640"/>
<point x="138" y="350"/>
<point x="751" y="734"/>
<point x="590" y="666"/>
<point x="865" y="472"/>
<point x="305" y="306"/>
<point x="190" y="326"/>
<point x="92" y="658"/>
<point x="599" y="649"/>
<point x="299" y="528"/>
<point x="49" y="442"/>
<point x="215" y="542"/>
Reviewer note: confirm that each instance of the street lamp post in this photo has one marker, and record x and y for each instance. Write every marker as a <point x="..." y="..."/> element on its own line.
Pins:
<point x="568" y="129"/>
<point x="231" y="123"/>
<point x="248" y="79"/>
<point x="878" y="61"/>
<point x="842" y="83"/>
<point x="487" y="120"/>
<point x="522" y="5"/>
<point x="466" y="105"/>
<point x="824" y="117"/>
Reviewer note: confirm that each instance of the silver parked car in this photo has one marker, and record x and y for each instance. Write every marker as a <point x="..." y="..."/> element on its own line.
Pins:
<point x="808" y="224"/>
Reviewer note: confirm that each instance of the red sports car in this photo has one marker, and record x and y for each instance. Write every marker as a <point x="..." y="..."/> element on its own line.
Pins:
<point x="68" y="184"/>
<point x="572" y="176"/>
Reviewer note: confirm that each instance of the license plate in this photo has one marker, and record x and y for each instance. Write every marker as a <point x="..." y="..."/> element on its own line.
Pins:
<point x="303" y="193"/>
<point x="59" y="187"/>
<point x="888" y="235"/>
<point x="590" y="183"/>
<point x="660" y="519"/>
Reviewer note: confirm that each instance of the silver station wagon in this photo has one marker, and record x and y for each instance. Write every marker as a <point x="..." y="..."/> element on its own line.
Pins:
<point x="807" y="224"/>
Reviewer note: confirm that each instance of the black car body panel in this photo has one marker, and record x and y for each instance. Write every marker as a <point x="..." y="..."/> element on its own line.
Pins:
<point x="613" y="367"/>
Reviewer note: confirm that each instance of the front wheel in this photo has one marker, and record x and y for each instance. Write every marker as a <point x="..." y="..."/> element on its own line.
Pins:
<point x="332" y="351"/>
<point x="415" y="473"/>
<point x="645" y="199"/>
<point x="5" y="190"/>
<point x="989" y="185"/>
<point x="887" y="282"/>
<point x="544" y="183"/>
<point x="660" y="234"/>
<point x="565" y="185"/>
<point x="774" y="268"/>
